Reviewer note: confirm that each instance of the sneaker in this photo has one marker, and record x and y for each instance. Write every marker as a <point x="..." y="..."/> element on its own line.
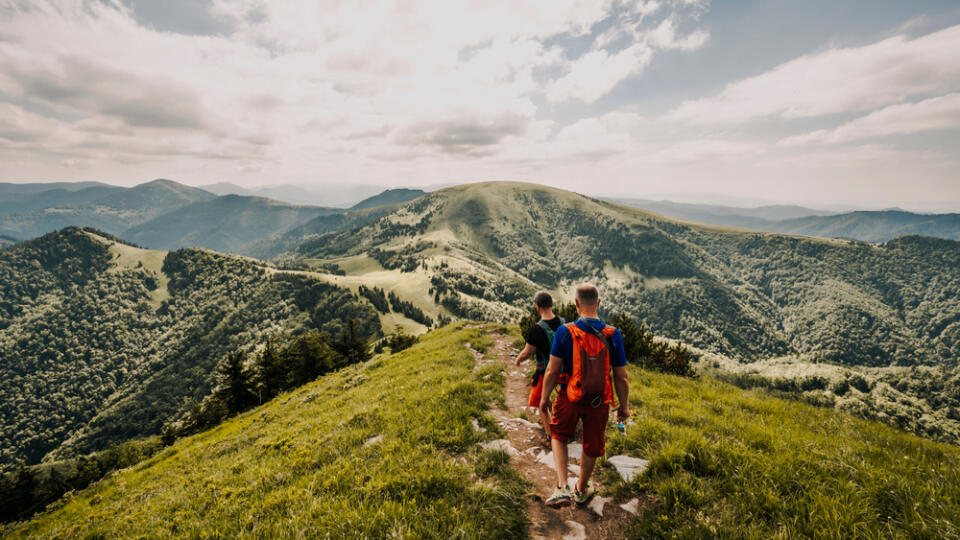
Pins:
<point x="561" y="497"/>
<point x="582" y="498"/>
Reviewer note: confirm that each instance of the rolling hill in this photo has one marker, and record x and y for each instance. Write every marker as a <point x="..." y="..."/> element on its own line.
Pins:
<point x="326" y="460"/>
<point x="227" y="223"/>
<point x="111" y="209"/>
<point x="487" y="247"/>
<point x="878" y="226"/>
<point x="102" y="341"/>
<point x="390" y="196"/>
<point x="868" y="226"/>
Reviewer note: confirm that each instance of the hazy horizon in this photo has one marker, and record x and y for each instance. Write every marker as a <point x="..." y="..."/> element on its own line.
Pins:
<point x="825" y="105"/>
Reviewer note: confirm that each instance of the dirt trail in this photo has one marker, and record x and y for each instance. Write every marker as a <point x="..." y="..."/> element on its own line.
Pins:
<point x="530" y="443"/>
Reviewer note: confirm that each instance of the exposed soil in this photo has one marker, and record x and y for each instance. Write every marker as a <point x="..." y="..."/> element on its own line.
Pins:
<point x="530" y="442"/>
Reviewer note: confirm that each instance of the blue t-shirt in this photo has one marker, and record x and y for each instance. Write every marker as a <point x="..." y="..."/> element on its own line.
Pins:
<point x="563" y="345"/>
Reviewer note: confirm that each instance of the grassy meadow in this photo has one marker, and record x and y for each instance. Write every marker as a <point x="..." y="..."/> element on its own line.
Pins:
<point x="730" y="463"/>
<point x="309" y="464"/>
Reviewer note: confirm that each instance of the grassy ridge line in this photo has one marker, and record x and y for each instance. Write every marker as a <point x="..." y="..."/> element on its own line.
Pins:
<point x="730" y="463"/>
<point x="298" y="466"/>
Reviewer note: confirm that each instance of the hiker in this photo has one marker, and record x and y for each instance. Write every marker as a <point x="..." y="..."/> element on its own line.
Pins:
<point x="582" y="356"/>
<point x="539" y="341"/>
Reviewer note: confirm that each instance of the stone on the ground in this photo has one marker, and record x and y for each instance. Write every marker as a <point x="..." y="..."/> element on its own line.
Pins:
<point x="575" y="531"/>
<point x="476" y="426"/>
<point x="547" y="459"/>
<point x="573" y="468"/>
<point x="525" y="423"/>
<point x="597" y="504"/>
<point x="500" y="444"/>
<point x="628" y="467"/>
<point x="631" y="506"/>
<point x="574" y="451"/>
<point x="372" y="441"/>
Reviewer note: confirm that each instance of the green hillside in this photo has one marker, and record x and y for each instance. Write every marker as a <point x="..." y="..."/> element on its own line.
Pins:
<point x="386" y="449"/>
<point x="102" y="341"/>
<point x="390" y="196"/>
<point x="871" y="226"/>
<point x="487" y="247"/>
<point x="111" y="209"/>
<point x="226" y="223"/>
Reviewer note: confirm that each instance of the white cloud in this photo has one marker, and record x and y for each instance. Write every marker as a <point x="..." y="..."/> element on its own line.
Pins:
<point x="837" y="81"/>
<point x="664" y="36"/>
<point x="594" y="74"/>
<point x="941" y="112"/>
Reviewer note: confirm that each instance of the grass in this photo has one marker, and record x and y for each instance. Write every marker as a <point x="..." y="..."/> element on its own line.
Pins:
<point x="737" y="464"/>
<point x="303" y="465"/>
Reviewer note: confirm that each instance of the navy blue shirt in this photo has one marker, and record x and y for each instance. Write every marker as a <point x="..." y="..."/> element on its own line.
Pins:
<point x="563" y="345"/>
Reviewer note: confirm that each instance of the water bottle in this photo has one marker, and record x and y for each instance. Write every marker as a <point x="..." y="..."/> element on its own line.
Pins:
<point x="622" y="429"/>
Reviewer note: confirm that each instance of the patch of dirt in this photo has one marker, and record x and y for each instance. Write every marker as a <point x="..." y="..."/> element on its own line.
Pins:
<point x="528" y="438"/>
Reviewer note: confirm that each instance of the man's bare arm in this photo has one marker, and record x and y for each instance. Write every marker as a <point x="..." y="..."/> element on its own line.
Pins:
<point x="622" y="386"/>
<point x="526" y="353"/>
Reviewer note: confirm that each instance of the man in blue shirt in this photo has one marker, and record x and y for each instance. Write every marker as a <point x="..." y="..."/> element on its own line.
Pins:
<point x="580" y="360"/>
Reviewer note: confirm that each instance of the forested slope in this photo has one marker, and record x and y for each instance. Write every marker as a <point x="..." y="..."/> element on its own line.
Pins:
<point x="744" y="294"/>
<point x="102" y="341"/>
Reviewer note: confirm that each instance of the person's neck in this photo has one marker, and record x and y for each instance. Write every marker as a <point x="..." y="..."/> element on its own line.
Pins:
<point x="547" y="314"/>
<point x="589" y="314"/>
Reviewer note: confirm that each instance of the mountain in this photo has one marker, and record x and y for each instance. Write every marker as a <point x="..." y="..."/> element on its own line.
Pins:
<point x="102" y="341"/>
<point x="393" y="448"/>
<point x="390" y="196"/>
<point x="14" y="203"/>
<point x="878" y="226"/>
<point x="278" y="244"/>
<point x="110" y="209"/>
<point x="8" y="188"/>
<point x="719" y="214"/>
<point x="226" y="223"/>
<point x="7" y="241"/>
<point x="486" y="248"/>
<point x="225" y="188"/>
<point x="868" y="226"/>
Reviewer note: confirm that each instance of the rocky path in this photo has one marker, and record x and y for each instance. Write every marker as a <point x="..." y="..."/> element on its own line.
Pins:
<point x="530" y="454"/>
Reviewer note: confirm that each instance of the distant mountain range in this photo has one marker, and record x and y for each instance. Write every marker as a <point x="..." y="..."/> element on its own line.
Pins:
<point x="163" y="214"/>
<point x="869" y="226"/>
<point x="334" y="195"/>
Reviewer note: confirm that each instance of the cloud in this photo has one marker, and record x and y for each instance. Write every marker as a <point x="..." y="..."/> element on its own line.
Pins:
<point x="836" y="81"/>
<point x="594" y="74"/>
<point x="937" y="113"/>
<point x="463" y="135"/>
<point x="664" y="36"/>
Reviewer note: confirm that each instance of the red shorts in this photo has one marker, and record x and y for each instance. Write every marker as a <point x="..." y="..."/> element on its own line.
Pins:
<point x="563" y="424"/>
<point x="536" y="392"/>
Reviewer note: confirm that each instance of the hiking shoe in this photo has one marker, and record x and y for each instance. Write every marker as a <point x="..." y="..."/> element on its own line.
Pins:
<point x="582" y="498"/>
<point x="561" y="497"/>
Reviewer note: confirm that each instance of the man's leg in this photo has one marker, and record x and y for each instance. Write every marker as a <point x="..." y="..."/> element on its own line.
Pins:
<point x="586" y="469"/>
<point x="560" y="460"/>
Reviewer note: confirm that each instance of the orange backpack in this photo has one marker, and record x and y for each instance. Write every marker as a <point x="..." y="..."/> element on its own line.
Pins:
<point x="589" y="383"/>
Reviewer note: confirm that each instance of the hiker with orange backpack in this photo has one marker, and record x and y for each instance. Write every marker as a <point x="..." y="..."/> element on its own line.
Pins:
<point x="583" y="354"/>
<point x="539" y="342"/>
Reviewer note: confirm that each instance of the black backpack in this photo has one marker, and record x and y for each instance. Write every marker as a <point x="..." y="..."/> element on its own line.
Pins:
<point x="543" y="357"/>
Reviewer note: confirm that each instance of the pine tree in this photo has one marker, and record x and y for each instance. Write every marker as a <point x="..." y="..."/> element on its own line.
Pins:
<point x="234" y="388"/>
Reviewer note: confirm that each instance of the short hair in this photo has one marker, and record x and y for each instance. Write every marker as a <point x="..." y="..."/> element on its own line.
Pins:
<point x="587" y="294"/>
<point x="543" y="299"/>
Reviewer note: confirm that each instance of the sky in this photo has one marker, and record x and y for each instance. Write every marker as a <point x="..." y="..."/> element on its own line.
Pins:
<point x="816" y="102"/>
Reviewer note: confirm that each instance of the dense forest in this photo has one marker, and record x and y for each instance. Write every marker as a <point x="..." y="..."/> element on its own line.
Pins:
<point x="97" y="350"/>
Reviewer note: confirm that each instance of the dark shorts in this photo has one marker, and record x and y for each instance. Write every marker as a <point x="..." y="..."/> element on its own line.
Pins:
<point x="563" y="424"/>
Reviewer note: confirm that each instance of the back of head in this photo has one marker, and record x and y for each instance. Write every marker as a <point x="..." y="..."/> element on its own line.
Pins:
<point x="587" y="294"/>
<point x="543" y="300"/>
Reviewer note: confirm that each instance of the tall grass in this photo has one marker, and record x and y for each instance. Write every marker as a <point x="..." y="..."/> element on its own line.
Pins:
<point x="738" y="464"/>
<point x="299" y="466"/>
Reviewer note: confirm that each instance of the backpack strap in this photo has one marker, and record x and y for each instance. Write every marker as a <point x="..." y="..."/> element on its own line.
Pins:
<point x="597" y="333"/>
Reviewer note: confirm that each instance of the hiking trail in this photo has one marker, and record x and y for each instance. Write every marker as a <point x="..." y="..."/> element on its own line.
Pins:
<point x="530" y="455"/>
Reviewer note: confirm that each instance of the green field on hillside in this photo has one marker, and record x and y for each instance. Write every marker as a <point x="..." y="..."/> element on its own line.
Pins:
<point x="724" y="463"/>
<point x="309" y="464"/>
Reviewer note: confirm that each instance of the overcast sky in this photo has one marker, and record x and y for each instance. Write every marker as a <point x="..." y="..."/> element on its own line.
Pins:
<point x="814" y="102"/>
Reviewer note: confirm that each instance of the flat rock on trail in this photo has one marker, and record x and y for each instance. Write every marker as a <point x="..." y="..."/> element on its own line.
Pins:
<point x="528" y="439"/>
